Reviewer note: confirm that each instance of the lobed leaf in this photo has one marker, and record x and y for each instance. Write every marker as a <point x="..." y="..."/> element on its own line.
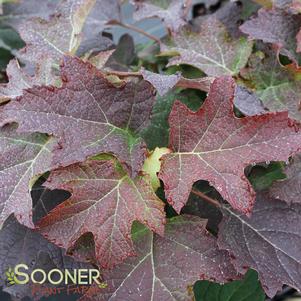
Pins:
<point x="276" y="27"/>
<point x="269" y="242"/>
<point x="172" y="12"/>
<point x="290" y="188"/>
<point x="105" y="201"/>
<point x="165" y="267"/>
<point x="277" y="86"/>
<point x="52" y="39"/>
<point x="20" y="80"/>
<point x="214" y="145"/>
<point x="23" y="156"/>
<point x="88" y="114"/>
<point x="211" y="49"/>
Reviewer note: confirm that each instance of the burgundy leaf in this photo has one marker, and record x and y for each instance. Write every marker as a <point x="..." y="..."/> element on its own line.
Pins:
<point x="19" y="80"/>
<point x="105" y="202"/>
<point x="22" y="156"/>
<point x="19" y="244"/>
<point x="212" y="49"/>
<point x="23" y="10"/>
<point x="61" y="34"/>
<point x="166" y="267"/>
<point x="291" y="6"/>
<point x="163" y="83"/>
<point x="172" y="12"/>
<point x="212" y="144"/>
<point x="88" y="114"/>
<point x="276" y="27"/>
<point x="247" y="102"/>
<point x="278" y="87"/>
<point x="268" y="242"/>
<point x="289" y="190"/>
<point x="230" y="14"/>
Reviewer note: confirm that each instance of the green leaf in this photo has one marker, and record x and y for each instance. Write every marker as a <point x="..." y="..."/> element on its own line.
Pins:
<point x="262" y="177"/>
<point x="248" y="289"/>
<point x="152" y="165"/>
<point x="156" y="134"/>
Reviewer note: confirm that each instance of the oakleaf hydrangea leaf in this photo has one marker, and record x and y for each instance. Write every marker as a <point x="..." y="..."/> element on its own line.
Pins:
<point x="19" y="11"/>
<point x="19" y="244"/>
<point x="269" y="242"/>
<point x="165" y="267"/>
<point x="105" y="201"/>
<point x="278" y="87"/>
<point x="291" y="6"/>
<point x="247" y="102"/>
<point x="162" y="82"/>
<point x="20" y="80"/>
<point x="214" y="145"/>
<point x="88" y="114"/>
<point x="212" y="50"/>
<point x="289" y="189"/>
<point x="172" y="12"/>
<point x="22" y="157"/>
<point x="57" y="36"/>
<point x="276" y="27"/>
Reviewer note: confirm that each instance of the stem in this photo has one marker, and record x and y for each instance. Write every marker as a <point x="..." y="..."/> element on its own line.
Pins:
<point x="202" y="84"/>
<point x="134" y="28"/>
<point x="123" y="73"/>
<point x="206" y="198"/>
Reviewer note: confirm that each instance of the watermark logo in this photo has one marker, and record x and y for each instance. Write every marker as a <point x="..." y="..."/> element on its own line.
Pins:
<point x="76" y="281"/>
<point x="11" y="278"/>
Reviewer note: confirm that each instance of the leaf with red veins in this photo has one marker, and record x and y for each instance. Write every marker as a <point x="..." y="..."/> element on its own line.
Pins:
<point x="105" y="201"/>
<point x="268" y="242"/>
<point x="214" y="145"/>
<point x="211" y="50"/>
<point x="165" y="267"/>
<point x="173" y="13"/>
<point x="88" y="114"/>
<point x="276" y="27"/>
<point x="19" y="80"/>
<point x="289" y="189"/>
<point x="22" y="156"/>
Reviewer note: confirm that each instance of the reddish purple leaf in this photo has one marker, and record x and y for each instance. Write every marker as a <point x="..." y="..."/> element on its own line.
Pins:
<point x="22" y="156"/>
<point x="22" y="10"/>
<point x="247" y="102"/>
<point x="276" y="27"/>
<point x="49" y="40"/>
<point x="291" y="6"/>
<point x="163" y="83"/>
<point x="19" y="80"/>
<point x="105" y="201"/>
<point x="211" y="49"/>
<point x="88" y="114"/>
<point x="289" y="190"/>
<point x="19" y="244"/>
<point x="278" y="87"/>
<point x="268" y="242"/>
<point x="166" y="268"/>
<point x="172" y="12"/>
<point x="212" y="144"/>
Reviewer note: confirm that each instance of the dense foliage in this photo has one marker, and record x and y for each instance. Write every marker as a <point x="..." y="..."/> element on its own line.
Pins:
<point x="162" y="158"/>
